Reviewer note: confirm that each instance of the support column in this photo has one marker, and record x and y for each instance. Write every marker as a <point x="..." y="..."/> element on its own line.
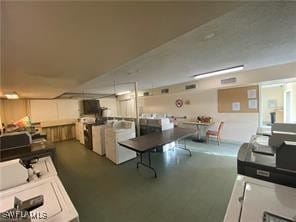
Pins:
<point x="137" y="109"/>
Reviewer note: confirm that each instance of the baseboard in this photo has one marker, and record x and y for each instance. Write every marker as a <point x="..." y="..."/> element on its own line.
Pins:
<point x="227" y="141"/>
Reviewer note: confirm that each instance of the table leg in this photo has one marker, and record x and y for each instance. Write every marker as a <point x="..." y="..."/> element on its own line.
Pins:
<point x="185" y="147"/>
<point x="145" y="165"/>
<point x="199" y="138"/>
<point x="141" y="157"/>
<point x="199" y="132"/>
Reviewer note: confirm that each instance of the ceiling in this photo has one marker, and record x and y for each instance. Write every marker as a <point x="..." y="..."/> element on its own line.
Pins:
<point x="256" y="35"/>
<point x="48" y="48"/>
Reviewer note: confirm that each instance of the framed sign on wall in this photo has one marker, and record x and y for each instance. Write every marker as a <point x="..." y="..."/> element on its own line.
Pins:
<point x="179" y="103"/>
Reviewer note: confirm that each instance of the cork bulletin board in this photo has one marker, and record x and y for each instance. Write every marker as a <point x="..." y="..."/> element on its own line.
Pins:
<point x="239" y="100"/>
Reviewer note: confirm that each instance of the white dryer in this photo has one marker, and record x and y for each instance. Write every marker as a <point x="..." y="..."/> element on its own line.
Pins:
<point x="120" y="131"/>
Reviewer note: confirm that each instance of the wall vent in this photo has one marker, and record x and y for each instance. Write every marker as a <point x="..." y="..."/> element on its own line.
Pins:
<point x="228" y="81"/>
<point x="192" y="86"/>
<point x="163" y="91"/>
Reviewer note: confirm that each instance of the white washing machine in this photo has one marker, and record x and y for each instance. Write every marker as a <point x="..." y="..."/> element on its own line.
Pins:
<point x="44" y="167"/>
<point x="16" y="181"/>
<point x="120" y="131"/>
<point x="56" y="207"/>
<point x="260" y="201"/>
<point x="98" y="139"/>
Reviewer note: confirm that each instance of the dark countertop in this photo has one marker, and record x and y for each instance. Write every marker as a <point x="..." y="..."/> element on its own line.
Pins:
<point x="37" y="150"/>
<point x="263" y="167"/>
<point x="147" y="142"/>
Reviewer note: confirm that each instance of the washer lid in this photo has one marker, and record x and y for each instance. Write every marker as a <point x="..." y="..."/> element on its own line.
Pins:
<point x="51" y="204"/>
<point x="45" y="166"/>
<point x="57" y="204"/>
<point x="274" y="200"/>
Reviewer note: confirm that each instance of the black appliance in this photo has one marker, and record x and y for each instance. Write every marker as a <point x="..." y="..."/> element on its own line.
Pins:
<point x="264" y="167"/>
<point x="15" y="140"/>
<point x="88" y="136"/>
<point x="271" y="158"/>
<point x="91" y="106"/>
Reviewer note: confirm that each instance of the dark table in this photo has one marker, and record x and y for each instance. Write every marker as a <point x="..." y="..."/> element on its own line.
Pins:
<point x="35" y="150"/>
<point x="147" y="143"/>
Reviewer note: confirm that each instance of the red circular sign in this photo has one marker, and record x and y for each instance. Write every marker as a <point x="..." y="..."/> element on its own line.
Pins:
<point x="179" y="103"/>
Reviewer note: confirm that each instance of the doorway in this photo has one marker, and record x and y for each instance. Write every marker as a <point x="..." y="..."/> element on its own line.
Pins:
<point x="287" y="107"/>
<point x="278" y="102"/>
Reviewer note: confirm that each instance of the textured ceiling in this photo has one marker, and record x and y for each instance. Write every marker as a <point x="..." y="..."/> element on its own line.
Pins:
<point x="256" y="35"/>
<point x="48" y="48"/>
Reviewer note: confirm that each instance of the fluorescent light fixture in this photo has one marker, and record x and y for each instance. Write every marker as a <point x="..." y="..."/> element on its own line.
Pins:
<point x="122" y="93"/>
<point x="219" y="72"/>
<point x="12" y="95"/>
<point x="272" y="85"/>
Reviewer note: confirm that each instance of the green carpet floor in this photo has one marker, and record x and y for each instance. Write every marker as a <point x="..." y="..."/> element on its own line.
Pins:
<point x="187" y="189"/>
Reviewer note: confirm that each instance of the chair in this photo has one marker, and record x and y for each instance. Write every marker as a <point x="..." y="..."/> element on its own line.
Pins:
<point x="215" y="133"/>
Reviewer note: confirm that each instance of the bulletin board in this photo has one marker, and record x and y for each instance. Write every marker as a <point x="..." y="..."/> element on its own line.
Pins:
<point x="239" y="100"/>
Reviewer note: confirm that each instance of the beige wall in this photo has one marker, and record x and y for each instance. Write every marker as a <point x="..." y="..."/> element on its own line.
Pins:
<point x="52" y="110"/>
<point x="13" y="110"/>
<point x="111" y="104"/>
<point x="126" y="105"/>
<point x="249" y="77"/>
<point x="46" y="110"/>
<point x="238" y="126"/>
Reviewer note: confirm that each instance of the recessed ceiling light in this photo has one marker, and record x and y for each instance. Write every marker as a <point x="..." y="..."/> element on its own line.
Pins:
<point x="12" y="95"/>
<point x="218" y="72"/>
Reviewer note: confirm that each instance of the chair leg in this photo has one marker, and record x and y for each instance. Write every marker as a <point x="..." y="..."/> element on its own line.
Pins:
<point x="218" y="138"/>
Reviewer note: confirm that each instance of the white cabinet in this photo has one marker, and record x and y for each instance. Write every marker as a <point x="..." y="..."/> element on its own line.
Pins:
<point x="79" y="132"/>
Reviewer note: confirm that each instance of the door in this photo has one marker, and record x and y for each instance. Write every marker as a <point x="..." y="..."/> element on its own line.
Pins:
<point x="288" y="107"/>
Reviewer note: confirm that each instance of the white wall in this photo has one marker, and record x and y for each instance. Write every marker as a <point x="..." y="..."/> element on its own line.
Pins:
<point x="13" y="110"/>
<point x="62" y="109"/>
<point x="126" y="105"/>
<point x="239" y="127"/>
<point x="111" y="104"/>
<point x="52" y="110"/>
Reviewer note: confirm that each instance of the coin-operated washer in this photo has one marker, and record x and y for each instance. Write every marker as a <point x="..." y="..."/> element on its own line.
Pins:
<point x="265" y="188"/>
<point x="32" y="191"/>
